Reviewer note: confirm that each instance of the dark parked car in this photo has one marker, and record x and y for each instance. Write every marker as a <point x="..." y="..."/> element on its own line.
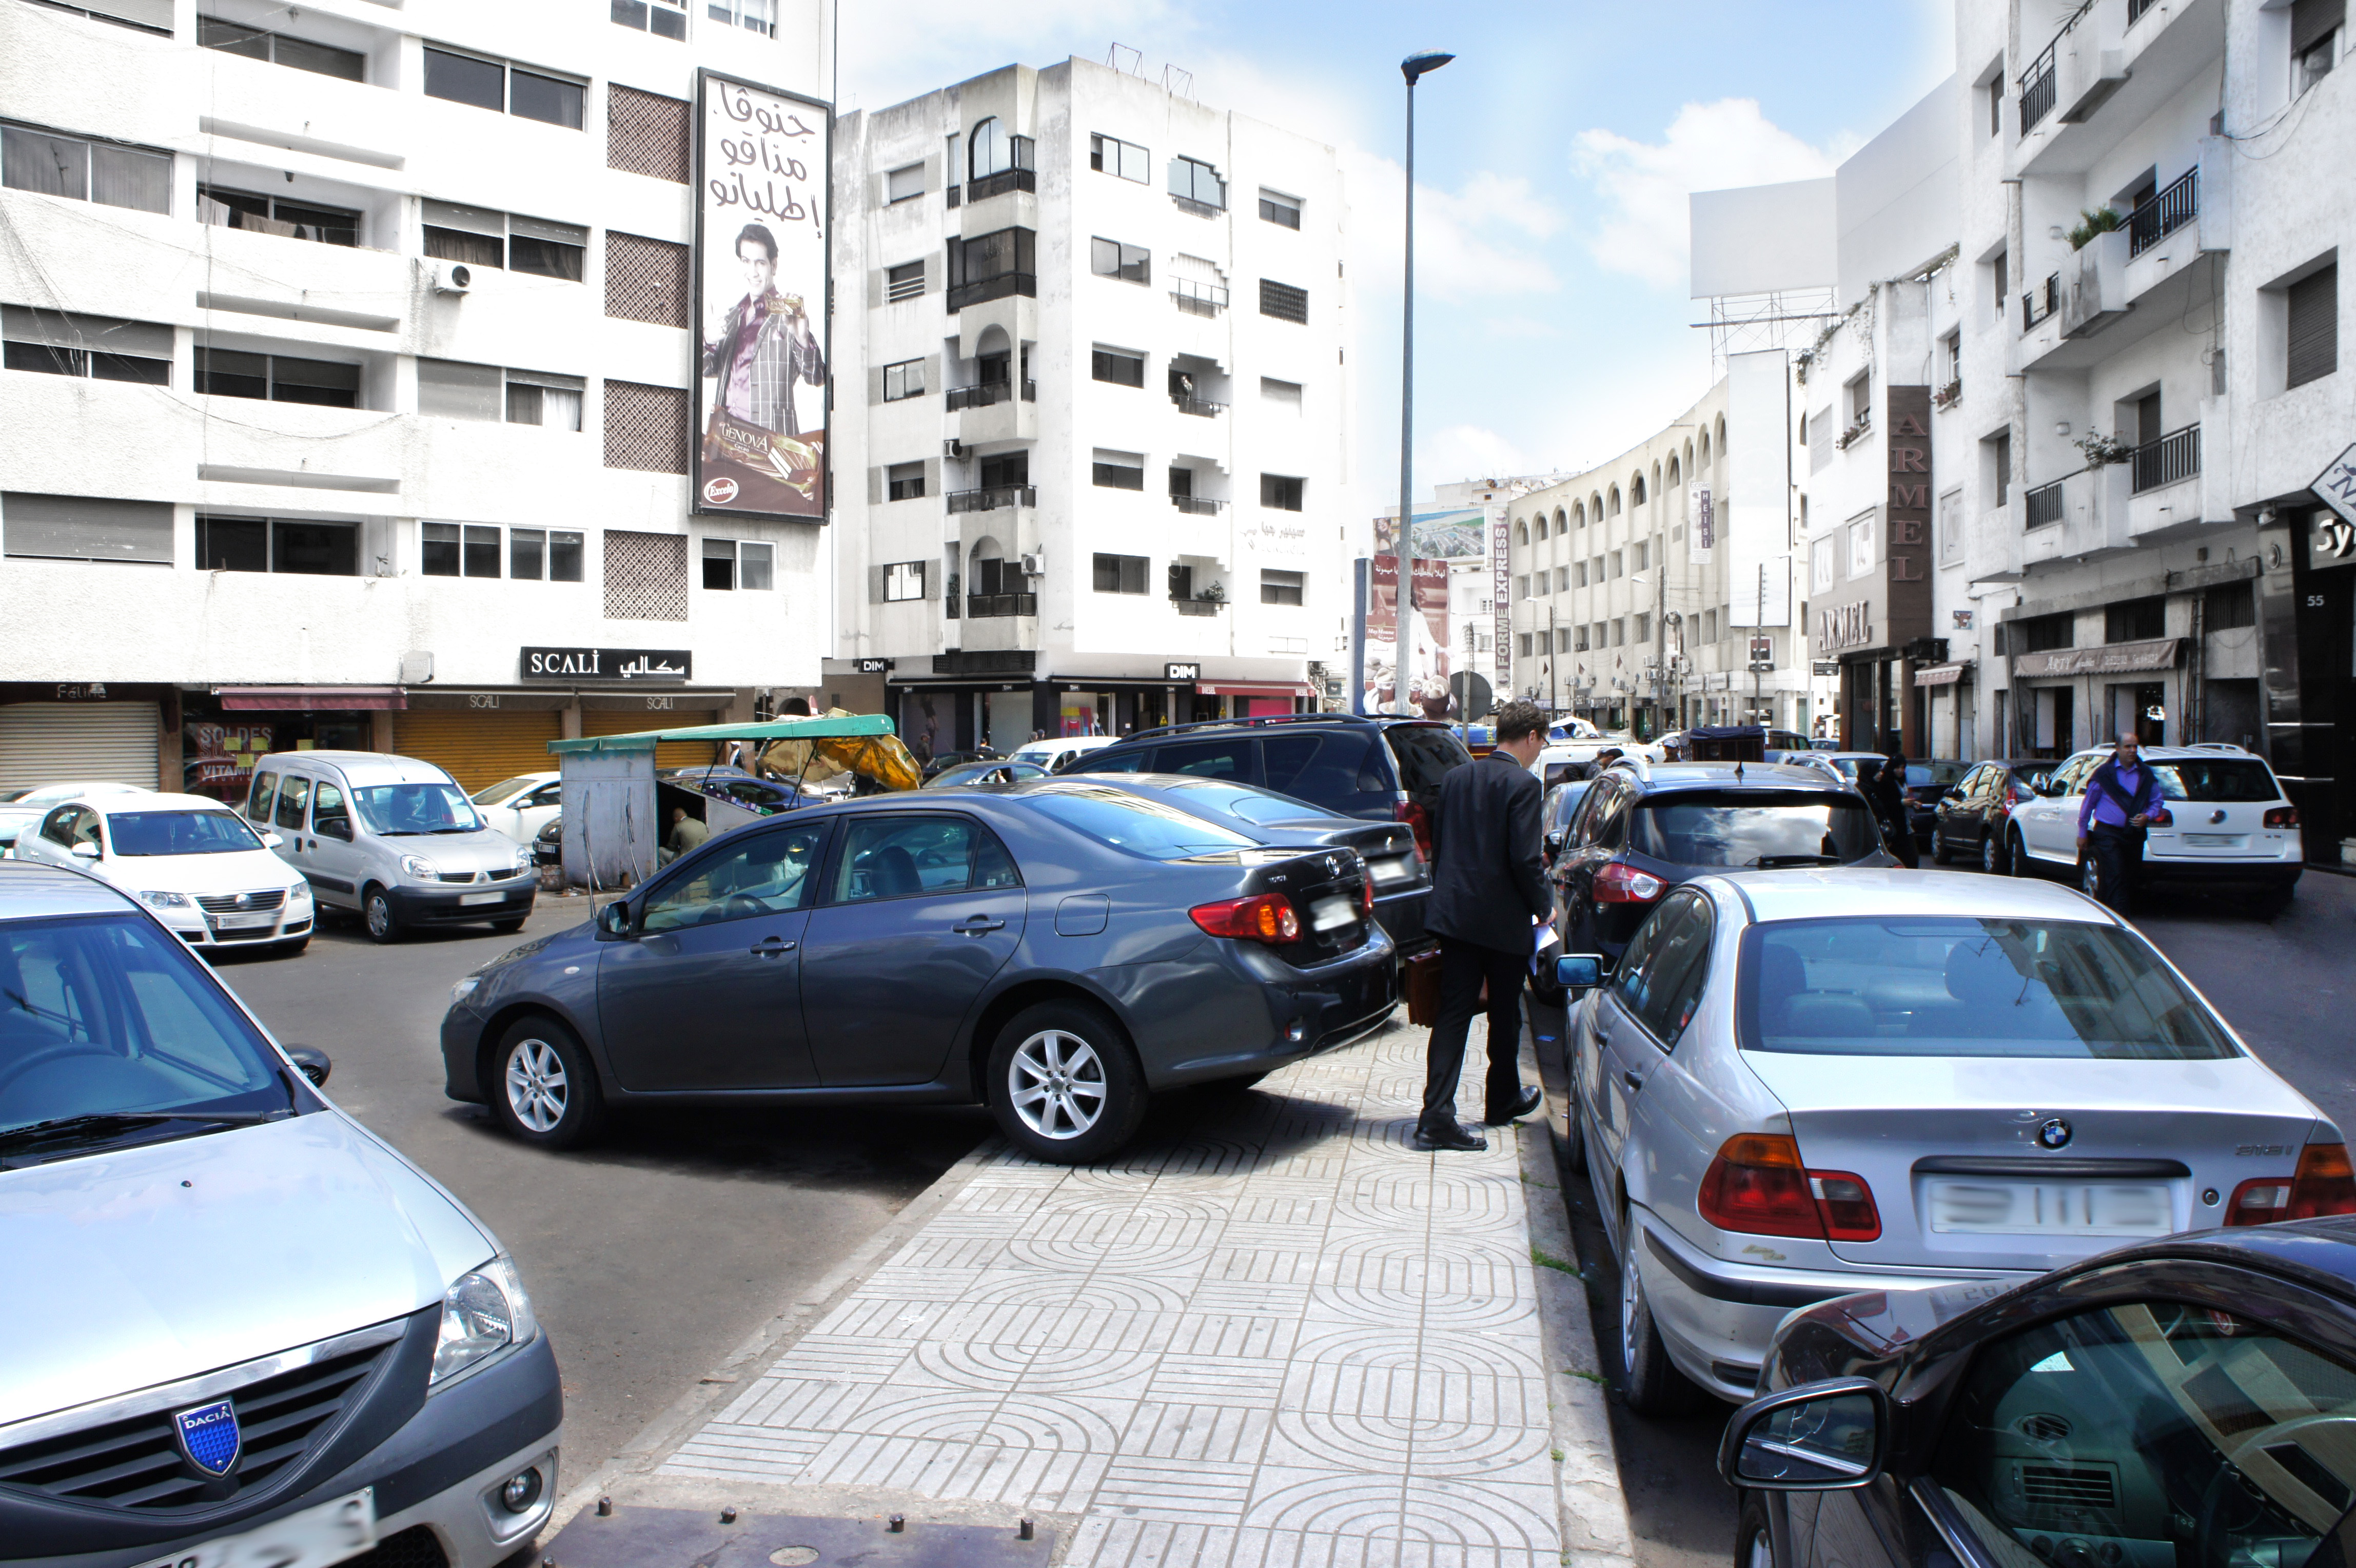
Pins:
<point x="1926" y="781"/>
<point x="2182" y="1402"/>
<point x="1058" y="950"/>
<point x="1643" y="829"/>
<point x="1969" y="819"/>
<point x="1553" y="816"/>
<point x="1376" y="770"/>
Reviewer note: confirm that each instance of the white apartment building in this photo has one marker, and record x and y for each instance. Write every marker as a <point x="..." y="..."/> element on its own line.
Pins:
<point x="1631" y="612"/>
<point x="1091" y="404"/>
<point x="275" y="477"/>
<point x="2105" y="256"/>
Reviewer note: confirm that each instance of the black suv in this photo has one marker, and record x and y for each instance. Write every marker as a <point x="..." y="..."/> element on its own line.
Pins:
<point x="1346" y="764"/>
<point x="1642" y="830"/>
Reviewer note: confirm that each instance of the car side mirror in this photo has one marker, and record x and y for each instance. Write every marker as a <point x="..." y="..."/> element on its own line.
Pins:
<point x="1553" y="843"/>
<point x="1832" y="1435"/>
<point x="83" y="852"/>
<point x="272" y="841"/>
<point x="613" y="919"/>
<point x="313" y="1062"/>
<point x="2051" y="788"/>
<point x="1578" y="972"/>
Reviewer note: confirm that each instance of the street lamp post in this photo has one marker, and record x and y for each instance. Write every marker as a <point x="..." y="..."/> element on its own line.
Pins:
<point x="1413" y="67"/>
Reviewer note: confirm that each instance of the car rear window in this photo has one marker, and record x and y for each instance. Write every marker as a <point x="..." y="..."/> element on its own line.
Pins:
<point x="2228" y="779"/>
<point x="1918" y="774"/>
<point x="1761" y="829"/>
<point x="1426" y="756"/>
<point x="1340" y="770"/>
<point x="1131" y="822"/>
<point x="1950" y="987"/>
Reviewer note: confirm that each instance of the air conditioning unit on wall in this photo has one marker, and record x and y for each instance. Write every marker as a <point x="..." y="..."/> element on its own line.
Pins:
<point x="1032" y="566"/>
<point x="952" y="448"/>
<point x="453" y="277"/>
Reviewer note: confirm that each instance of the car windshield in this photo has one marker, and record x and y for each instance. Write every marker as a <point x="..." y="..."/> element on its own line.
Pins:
<point x="2234" y="781"/>
<point x="111" y="1016"/>
<point x="1244" y="802"/>
<point x="506" y="789"/>
<point x="1754" y="828"/>
<point x="179" y="832"/>
<point x="1133" y="823"/>
<point x="1880" y="986"/>
<point x="392" y="810"/>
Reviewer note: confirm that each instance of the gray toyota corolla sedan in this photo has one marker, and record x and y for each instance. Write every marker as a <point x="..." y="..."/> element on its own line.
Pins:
<point x="234" y="1326"/>
<point x="1057" y="949"/>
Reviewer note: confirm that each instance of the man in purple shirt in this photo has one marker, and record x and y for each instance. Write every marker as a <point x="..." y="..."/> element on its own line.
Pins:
<point x="2123" y="798"/>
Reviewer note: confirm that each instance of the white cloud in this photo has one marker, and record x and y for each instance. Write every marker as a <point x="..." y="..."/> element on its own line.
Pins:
<point x="1644" y="231"/>
<point x="1466" y="452"/>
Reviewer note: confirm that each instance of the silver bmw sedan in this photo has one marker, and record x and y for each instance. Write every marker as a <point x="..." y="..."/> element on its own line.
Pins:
<point x="1800" y="1084"/>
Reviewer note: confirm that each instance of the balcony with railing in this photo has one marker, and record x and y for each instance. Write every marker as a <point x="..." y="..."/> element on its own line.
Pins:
<point x="986" y="606"/>
<point x="2041" y="302"/>
<point x="2165" y="214"/>
<point x="2172" y="457"/>
<point x="1198" y="505"/>
<point x="993" y="497"/>
<point x="2040" y="87"/>
<point x="1022" y="155"/>
<point x="1198" y="607"/>
<point x="1198" y="298"/>
<point x="998" y="285"/>
<point x="2043" y="505"/>
<point x="2110" y="66"/>
<point x="1202" y="407"/>
<point x="2078" y="515"/>
<point x="984" y="394"/>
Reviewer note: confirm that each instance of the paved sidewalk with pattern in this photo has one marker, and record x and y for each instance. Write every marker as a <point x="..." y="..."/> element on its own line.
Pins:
<point x="1282" y="1338"/>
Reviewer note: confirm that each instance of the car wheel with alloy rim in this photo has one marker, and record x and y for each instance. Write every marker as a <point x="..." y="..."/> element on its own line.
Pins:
<point x="2090" y="877"/>
<point x="1064" y="1084"/>
<point x="1939" y="855"/>
<point x="1648" y="1380"/>
<point x="1992" y="855"/>
<point x="2016" y="856"/>
<point x="1754" y="1537"/>
<point x="543" y="1087"/>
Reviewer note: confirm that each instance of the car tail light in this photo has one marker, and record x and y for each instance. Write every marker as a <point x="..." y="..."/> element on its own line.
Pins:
<point x="1758" y="1186"/>
<point x="2323" y="1184"/>
<point x="2017" y="794"/>
<point x="1419" y="821"/>
<point x="2282" y="817"/>
<point x="1367" y="893"/>
<point x="1620" y="883"/>
<point x="1262" y="918"/>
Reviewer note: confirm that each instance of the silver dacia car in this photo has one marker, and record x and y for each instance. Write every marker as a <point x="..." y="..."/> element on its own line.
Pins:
<point x="234" y="1326"/>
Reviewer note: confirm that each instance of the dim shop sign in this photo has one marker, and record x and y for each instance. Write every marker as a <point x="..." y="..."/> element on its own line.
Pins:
<point x="607" y="664"/>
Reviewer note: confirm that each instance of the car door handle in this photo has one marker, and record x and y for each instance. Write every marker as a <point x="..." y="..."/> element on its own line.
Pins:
<point x="772" y="947"/>
<point x="1635" y="1080"/>
<point x="978" y="926"/>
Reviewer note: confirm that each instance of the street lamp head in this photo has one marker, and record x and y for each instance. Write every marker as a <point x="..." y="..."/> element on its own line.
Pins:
<point x="1417" y="65"/>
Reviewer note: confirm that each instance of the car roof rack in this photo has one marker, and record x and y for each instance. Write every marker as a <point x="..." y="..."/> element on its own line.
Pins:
<point x="1251" y="721"/>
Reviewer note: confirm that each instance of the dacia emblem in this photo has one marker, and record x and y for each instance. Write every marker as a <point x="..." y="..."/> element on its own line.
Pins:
<point x="2053" y="1134"/>
<point x="208" y="1438"/>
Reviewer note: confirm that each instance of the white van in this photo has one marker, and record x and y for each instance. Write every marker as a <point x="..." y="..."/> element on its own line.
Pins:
<point x="391" y="839"/>
<point x="1056" y="754"/>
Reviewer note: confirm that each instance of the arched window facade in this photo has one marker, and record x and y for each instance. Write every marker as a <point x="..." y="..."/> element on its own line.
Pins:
<point x="1521" y="532"/>
<point x="1612" y="507"/>
<point x="1537" y="526"/>
<point x="1677" y="475"/>
<point x="1559" y="524"/>
<point x="1594" y="508"/>
<point x="1722" y="436"/>
<point x="1579" y="515"/>
<point x="988" y="150"/>
<point x="1705" y="448"/>
<point x="1636" y="490"/>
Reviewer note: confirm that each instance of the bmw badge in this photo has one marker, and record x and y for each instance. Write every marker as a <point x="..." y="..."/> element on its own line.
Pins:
<point x="2053" y="1134"/>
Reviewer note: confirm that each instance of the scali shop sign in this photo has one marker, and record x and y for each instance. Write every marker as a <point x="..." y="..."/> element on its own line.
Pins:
<point x="635" y="665"/>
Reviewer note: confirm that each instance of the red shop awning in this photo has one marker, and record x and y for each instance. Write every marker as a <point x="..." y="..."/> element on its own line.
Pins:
<point x="1264" y="689"/>
<point x="331" y="699"/>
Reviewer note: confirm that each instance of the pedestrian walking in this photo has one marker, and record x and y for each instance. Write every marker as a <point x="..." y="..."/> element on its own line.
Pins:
<point x="1886" y="790"/>
<point x="2122" y="796"/>
<point x="1488" y="886"/>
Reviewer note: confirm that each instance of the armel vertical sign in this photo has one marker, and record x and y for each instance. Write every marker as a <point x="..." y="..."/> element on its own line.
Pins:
<point x="1906" y="533"/>
<point x="761" y="163"/>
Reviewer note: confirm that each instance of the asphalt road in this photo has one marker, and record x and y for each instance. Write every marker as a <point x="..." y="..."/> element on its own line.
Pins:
<point x="649" y="1256"/>
<point x="2281" y="984"/>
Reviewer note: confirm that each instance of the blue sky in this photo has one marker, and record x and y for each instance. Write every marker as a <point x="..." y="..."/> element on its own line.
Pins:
<point x="1553" y="158"/>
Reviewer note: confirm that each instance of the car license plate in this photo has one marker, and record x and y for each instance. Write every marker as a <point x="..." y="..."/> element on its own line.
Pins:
<point x="1326" y="914"/>
<point x="245" y="922"/>
<point x="1391" y="868"/>
<point x="331" y="1532"/>
<point x="2215" y="841"/>
<point x="2051" y="1208"/>
<point x="482" y="897"/>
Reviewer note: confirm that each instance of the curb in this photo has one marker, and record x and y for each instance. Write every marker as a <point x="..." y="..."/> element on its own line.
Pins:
<point x="1588" y="1495"/>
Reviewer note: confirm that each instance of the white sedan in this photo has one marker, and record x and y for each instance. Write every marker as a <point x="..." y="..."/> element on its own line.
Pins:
<point x="519" y="806"/>
<point x="191" y="860"/>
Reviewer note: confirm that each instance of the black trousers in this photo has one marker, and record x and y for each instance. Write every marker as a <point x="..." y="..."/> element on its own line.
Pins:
<point x="1463" y="967"/>
<point x="2118" y="854"/>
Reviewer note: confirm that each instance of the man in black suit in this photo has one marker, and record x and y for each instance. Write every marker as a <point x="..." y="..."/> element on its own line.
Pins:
<point x="1487" y="883"/>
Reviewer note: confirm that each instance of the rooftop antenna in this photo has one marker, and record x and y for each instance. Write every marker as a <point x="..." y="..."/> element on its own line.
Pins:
<point x="1177" y="82"/>
<point x="1136" y="66"/>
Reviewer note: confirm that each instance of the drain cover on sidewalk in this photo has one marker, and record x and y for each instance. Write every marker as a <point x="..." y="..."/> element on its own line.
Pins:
<point x="686" y="1538"/>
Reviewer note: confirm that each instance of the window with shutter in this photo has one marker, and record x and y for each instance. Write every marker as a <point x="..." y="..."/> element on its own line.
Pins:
<point x="2314" y="326"/>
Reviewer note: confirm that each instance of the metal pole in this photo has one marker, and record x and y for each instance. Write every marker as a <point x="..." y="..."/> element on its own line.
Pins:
<point x="1406" y="599"/>
<point x="1360" y="571"/>
<point x="1554" y="666"/>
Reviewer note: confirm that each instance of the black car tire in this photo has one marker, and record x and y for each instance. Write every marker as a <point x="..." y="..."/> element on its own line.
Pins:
<point x="1080" y="1053"/>
<point x="506" y="927"/>
<point x="1755" y="1534"/>
<point x="1939" y="854"/>
<point x="1649" y="1380"/>
<point x="2016" y="856"/>
<point x="377" y="916"/>
<point x="294" y="948"/>
<point x="543" y="1087"/>
<point x="1235" y="1085"/>
<point x="2265" y="906"/>
<point x="1993" y="861"/>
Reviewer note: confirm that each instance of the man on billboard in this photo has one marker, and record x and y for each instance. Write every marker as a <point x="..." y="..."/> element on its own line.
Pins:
<point x="757" y="353"/>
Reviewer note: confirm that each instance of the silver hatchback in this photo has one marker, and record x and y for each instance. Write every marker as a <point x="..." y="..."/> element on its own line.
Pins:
<point x="1801" y="1084"/>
